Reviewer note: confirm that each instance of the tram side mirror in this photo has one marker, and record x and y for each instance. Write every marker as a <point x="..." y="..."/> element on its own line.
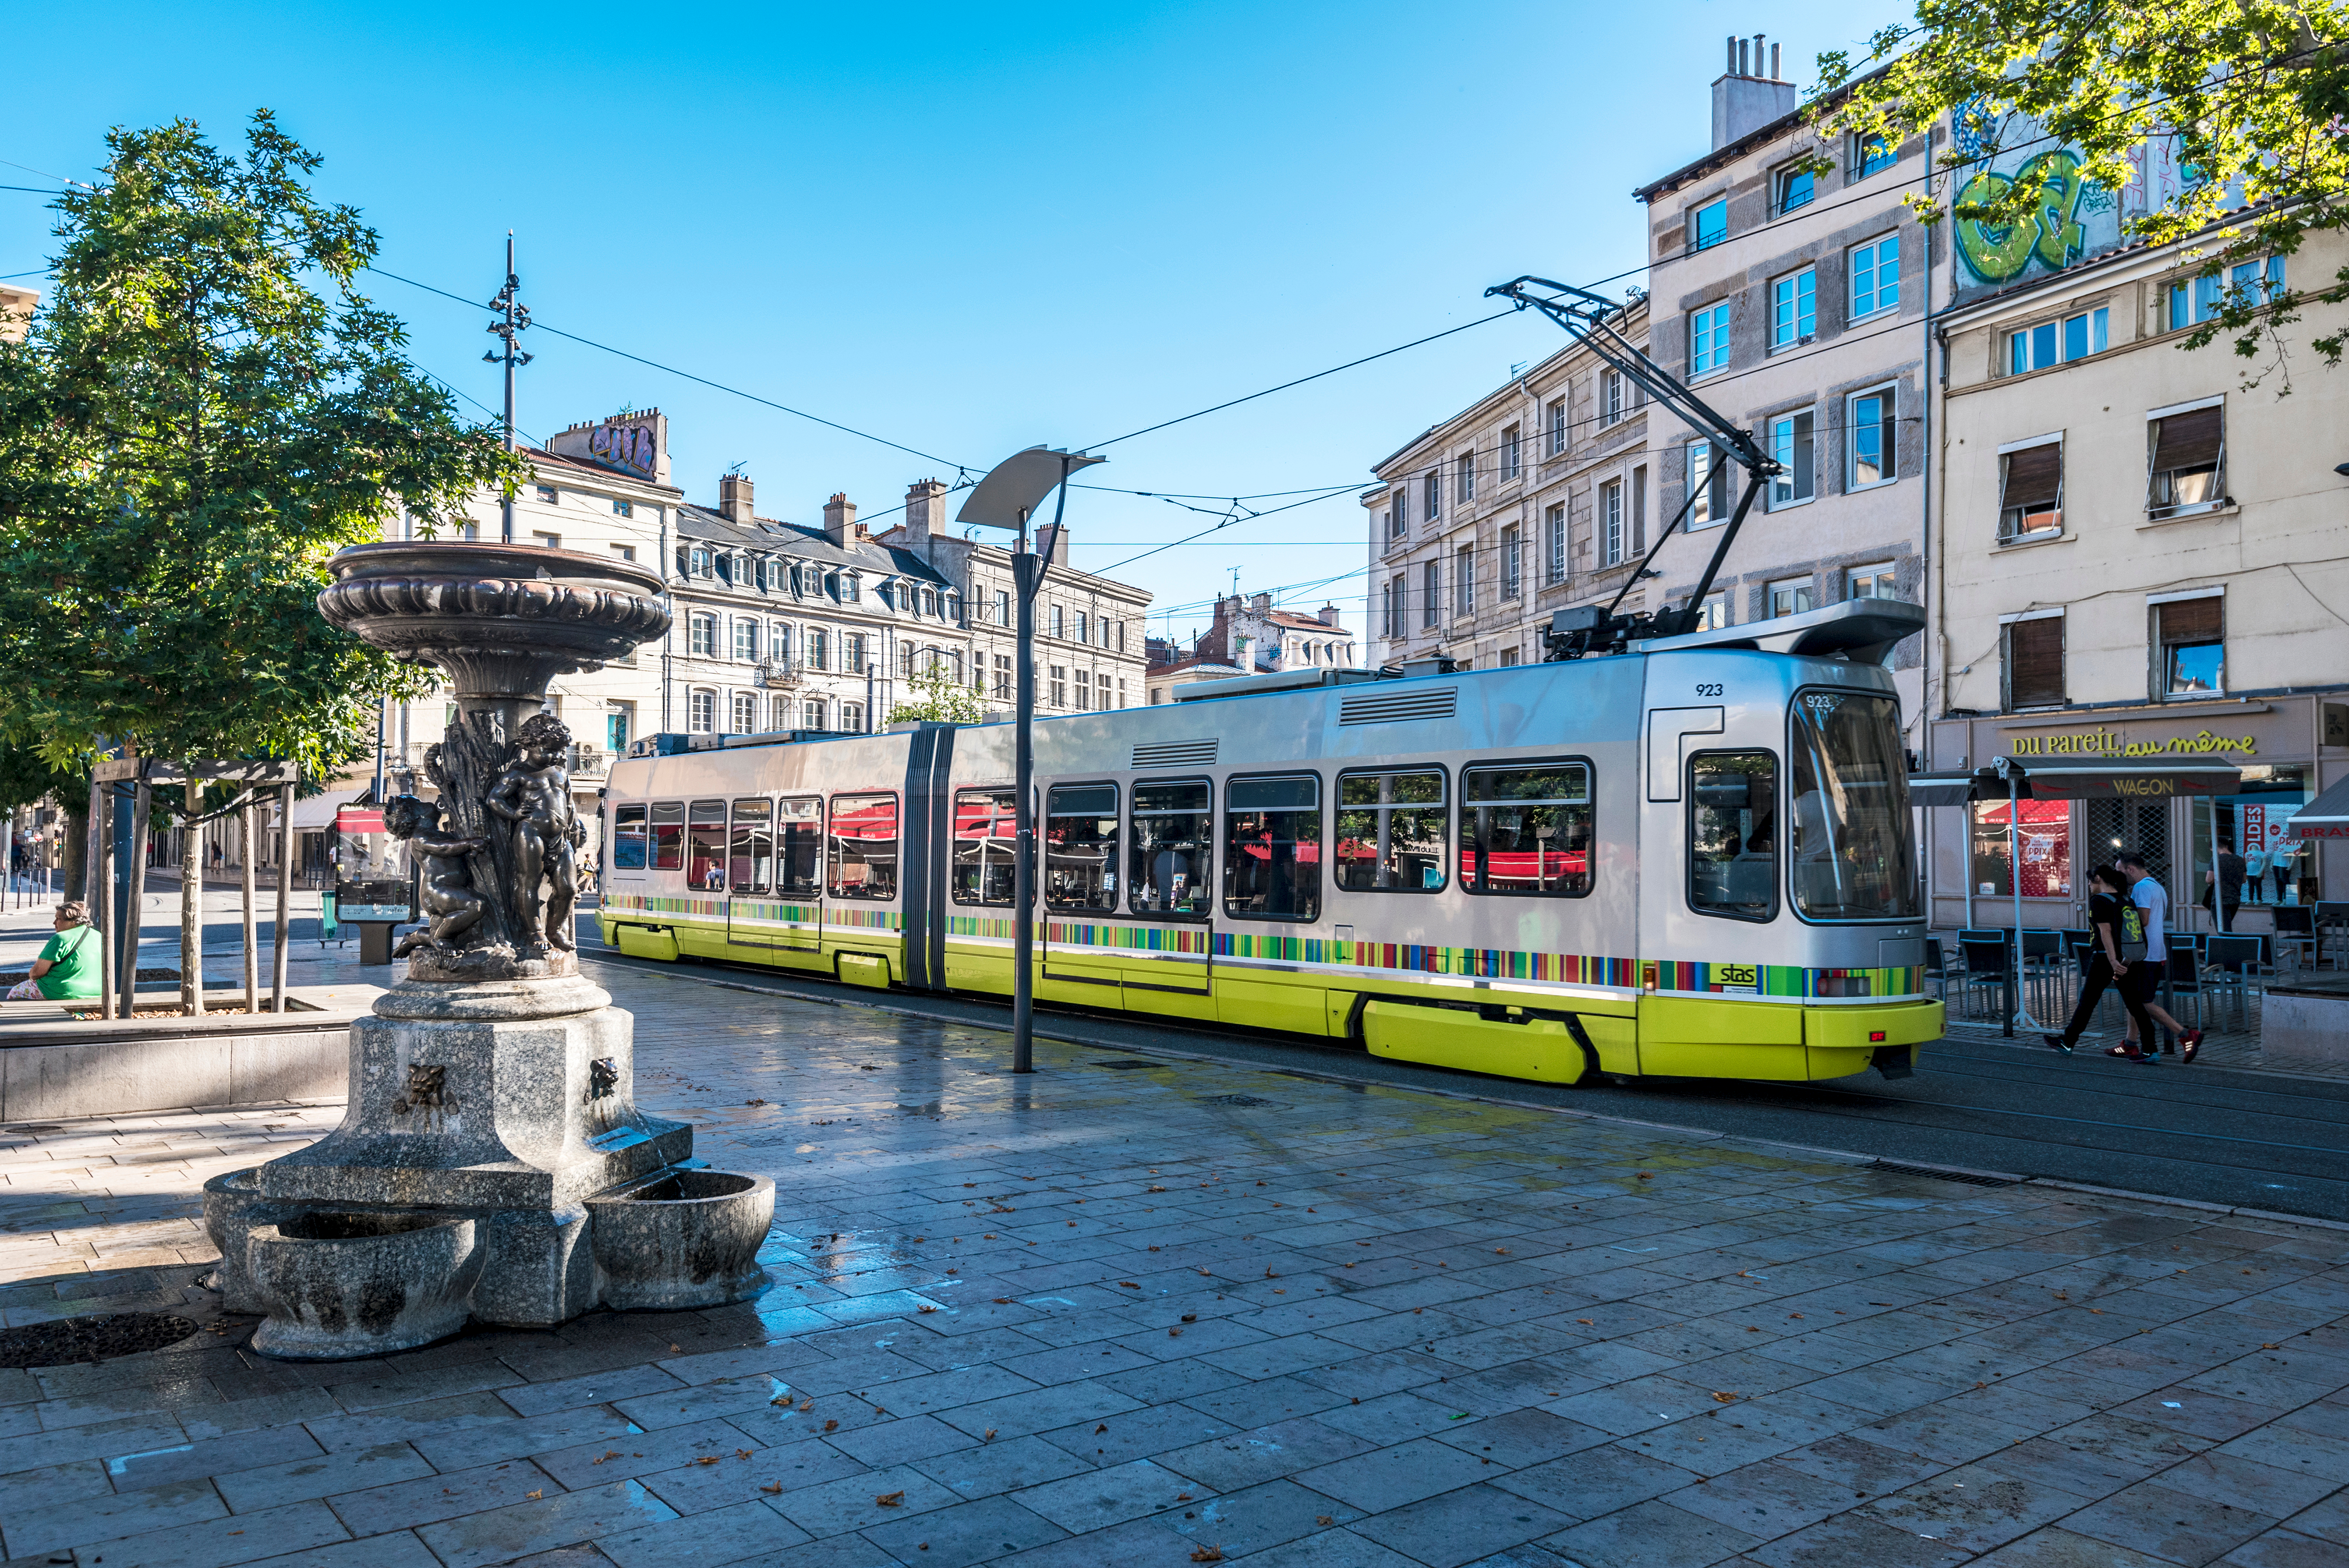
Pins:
<point x="1734" y="793"/>
<point x="1578" y="619"/>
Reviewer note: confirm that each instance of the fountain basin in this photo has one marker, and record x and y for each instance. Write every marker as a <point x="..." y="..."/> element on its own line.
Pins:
<point x="342" y="1283"/>
<point x="682" y="1238"/>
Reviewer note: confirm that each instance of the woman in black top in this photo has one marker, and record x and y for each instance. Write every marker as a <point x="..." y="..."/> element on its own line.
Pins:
<point x="2107" y="914"/>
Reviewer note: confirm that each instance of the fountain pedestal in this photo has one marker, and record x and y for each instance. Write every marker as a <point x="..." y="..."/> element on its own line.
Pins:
<point x="494" y="1086"/>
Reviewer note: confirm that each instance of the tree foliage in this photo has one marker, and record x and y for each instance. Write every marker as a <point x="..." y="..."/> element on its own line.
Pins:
<point x="205" y="409"/>
<point x="2253" y="91"/>
<point x="936" y="696"/>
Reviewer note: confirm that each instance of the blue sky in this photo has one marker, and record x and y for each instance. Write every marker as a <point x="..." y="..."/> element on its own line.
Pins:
<point x="965" y="229"/>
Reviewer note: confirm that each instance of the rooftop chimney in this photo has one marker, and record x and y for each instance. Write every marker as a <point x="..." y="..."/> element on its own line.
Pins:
<point x="1328" y="617"/>
<point x="925" y="514"/>
<point x="1749" y="94"/>
<point x="734" y="500"/>
<point x="840" y="520"/>
<point x="1260" y="602"/>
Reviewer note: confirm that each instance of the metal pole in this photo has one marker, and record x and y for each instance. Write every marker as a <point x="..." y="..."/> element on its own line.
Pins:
<point x="134" y="916"/>
<point x="246" y="845"/>
<point x="192" y="899"/>
<point x="284" y="927"/>
<point x="98" y="883"/>
<point x="512" y="319"/>
<point x="1024" y="577"/>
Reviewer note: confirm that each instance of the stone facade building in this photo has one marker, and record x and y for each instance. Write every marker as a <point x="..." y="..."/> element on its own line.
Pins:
<point x="1249" y="634"/>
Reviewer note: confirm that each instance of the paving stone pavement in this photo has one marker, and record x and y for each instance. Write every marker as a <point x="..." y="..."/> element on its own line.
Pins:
<point x="1174" y="1313"/>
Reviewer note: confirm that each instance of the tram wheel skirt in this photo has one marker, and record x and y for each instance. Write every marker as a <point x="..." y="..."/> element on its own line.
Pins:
<point x="1541" y="1050"/>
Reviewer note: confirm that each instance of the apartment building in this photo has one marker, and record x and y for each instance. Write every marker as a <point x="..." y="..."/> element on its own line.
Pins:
<point x="2137" y="554"/>
<point x="1248" y="633"/>
<point x="1537" y="496"/>
<point x="16" y="307"/>
<point x="1789" y="289"/>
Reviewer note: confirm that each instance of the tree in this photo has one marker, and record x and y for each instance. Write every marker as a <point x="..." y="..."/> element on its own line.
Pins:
<point x="205" y="410"/>
<point x="2252" y="92"/>
<point x="936" y="696"/>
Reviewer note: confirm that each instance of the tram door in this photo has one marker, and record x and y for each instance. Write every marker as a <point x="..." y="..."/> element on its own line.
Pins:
<point x="799" y="872"/>
<point x="1168" y="854"/>
<point x="750" y="873"/>
<point x="1082" y="954"/>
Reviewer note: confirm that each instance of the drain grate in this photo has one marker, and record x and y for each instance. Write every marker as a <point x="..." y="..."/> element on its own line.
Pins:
<point x="1969" y="1178"/>
<point x="1237" y="1100"/>
<point x="70" y="1339"/>
<point x="1122" y="1066"/>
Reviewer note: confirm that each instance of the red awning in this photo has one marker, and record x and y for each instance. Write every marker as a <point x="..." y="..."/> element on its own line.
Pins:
<point x="2327" y="817"/>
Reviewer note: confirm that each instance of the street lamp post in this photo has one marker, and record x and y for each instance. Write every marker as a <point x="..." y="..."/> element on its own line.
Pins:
<point x="1007" y="498"/>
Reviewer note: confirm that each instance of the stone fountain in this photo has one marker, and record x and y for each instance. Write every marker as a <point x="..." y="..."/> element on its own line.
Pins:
<point x="491" y="1161"/>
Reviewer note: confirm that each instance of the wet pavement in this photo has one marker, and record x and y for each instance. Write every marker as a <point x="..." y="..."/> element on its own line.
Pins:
<point x="1137" y="1311"/>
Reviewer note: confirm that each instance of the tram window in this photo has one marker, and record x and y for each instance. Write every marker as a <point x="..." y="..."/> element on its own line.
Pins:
<point x="1734" y="834"/>
<point x="986" y="834"/>
<point x="668" y="835"/>
<point x="1174" y="834"/>
<point x="865" y="846"/>
<point x="798" y="848"/>
<point x="630" y="841"/>
<point x="1853" y="855"/>
<point x="704" y="845"/>
<point x="751" y="850"/>
<point x="1391" y="831"/>
<point x="1526" y="830"/>
<point x="1081" y="847"/>
<point x="1272" y="848"/>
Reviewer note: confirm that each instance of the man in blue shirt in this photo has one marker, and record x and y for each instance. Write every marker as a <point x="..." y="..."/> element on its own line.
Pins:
<point x="2153" y="900"/>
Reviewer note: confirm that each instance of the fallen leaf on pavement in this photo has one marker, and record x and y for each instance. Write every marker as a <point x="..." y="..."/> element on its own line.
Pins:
<point x="1193" y="1318"/>
<point x="1722" y="1399"/>
<point x="540" y="1493"/>
<point x="1208" y="1554"/>
<point x="1325" y="1518"/>
<point x="706" y="1460"/>
<point x="832" y="1426"/>
<point x="891" y="1499"/>
<point x="777" y="1487"/>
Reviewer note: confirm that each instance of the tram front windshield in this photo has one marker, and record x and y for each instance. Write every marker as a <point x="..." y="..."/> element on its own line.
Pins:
<point x="1854" y="856"/>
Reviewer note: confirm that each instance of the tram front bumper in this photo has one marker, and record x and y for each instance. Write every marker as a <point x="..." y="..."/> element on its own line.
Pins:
<point x="1784" y="1041"/>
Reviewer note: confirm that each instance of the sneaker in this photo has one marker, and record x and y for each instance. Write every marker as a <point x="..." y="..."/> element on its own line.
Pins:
<point x="2192" y="1040"/>
<point x="2058" y="1043"/>
<point x="2125" y="1054"/>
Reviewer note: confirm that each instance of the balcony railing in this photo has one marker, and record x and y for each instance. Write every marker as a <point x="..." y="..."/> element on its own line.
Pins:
<point x="780" y="672"/>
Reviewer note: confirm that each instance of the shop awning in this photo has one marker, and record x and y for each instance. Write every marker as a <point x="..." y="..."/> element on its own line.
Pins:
<point x="317" y="814"/>
<point x="2327" y="817"/>
<point x="2132" y="778"/>
<point x="1943" y="789"/>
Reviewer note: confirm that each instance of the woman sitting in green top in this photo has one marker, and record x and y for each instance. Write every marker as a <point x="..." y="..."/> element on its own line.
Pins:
<point x="66" y="970"/>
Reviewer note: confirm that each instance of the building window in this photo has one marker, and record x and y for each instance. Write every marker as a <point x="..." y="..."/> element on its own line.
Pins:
<point x="1794" y="309"/>
<point x="2033" y="658"/>
<point x="2052" y="342"/>
<point x="1708" y="225"/>
<point x="618" y="725"/>
<point x="1084" y="689"/>
<point x="783" y="709"/>
<point x="1554" y="543"/>
<point x="852" y="653"/>
<point x="852" y="717"/>
<point x="1788" y="596"/>
<point x="811" y="715"/>
<point x="703" y="566"/>
<point x="1431" y="594"/>
<point x="1708" y="339"/>
<point x="701" y="637"/>
<point x="1512" y="657"/>
<point x="1638" y="509"/>
<point x="1003" y="677"/>
<point x="623" y="552"/>
<point x="1873" y="461"/>
<point x="1464" y="580"/>
<point x="1875" y="276"/>
<point x="1795" y="188"/>
<point x="1057" y="689"/>
<point x="1512" y="461"/>
<point x="624" y="509"/>
<point x="545" y="494"/>
<point x="746" y="641"/>
<point x="905" y="652"/>
<point x="746" y="713"/>
<point x="701" y="712"/>
<point x="1463" y="469"/>
<point x="818" y="644"/>
<point x="2189" y="636"/>
<point x="1870" y="154"/>
<point x="1869" y="582"/>
<point x="1512" y="562"/>
<point x="2031" y="491"/>
<point x="1398" y="512"/>
<point x="1613" y="397"/>
<point x="1713" y="613"/>
<point x="1121" y="641"/>
<point x="2254" y="283"/>
<point x="1120" y="691"/>
<point x="1084" y="627"/>
<point x="2189" y="457"/>
<point x="1708" y="478"/>
<point x="1059" y="621"/>
<point x="1390" y="602"/>
<point x="1791" y="446"/>
<point x="1002" y="616"/>
<point x="1611" y="534"/>
<point x="851" y="586"/>
<point x="547" y="540"/>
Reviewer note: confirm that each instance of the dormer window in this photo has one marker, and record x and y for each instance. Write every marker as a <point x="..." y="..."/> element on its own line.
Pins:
<point x="929" y="602"/>
<point x="852" y="587"/>
<point x="703" y="565"/>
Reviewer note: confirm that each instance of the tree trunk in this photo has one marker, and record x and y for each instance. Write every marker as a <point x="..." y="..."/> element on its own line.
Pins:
<point x="73" y="876"/>
<point x="191" y="900"/>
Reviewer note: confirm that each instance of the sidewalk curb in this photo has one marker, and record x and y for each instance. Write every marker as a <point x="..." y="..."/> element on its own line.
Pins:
<point x="1687" y="1134"/>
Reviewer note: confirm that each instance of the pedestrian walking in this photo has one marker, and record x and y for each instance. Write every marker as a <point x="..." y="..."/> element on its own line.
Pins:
<point x="2223" y="890"/>
<point x="2120" y="950"/>
<point x="2151" y="901"/>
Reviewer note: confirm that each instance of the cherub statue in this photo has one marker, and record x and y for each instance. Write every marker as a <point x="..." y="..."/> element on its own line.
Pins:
<point x="534" y="794"/>
<point x="450" y="901"/>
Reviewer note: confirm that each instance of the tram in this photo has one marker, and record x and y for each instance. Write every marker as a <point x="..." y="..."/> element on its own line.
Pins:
<point x="1694" y="858"/>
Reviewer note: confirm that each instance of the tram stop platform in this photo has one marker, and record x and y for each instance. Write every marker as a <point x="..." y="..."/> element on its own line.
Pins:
<point x="1134" y="1310"/>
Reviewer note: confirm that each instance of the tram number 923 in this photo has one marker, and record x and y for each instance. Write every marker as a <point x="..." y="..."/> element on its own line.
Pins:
<point x="1708" y="688"/>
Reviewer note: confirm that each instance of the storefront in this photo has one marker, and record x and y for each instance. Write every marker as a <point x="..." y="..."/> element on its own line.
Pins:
<point x="2286" y="750"/>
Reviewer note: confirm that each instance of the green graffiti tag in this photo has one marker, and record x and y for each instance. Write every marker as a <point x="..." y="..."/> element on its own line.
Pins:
<point x="1997" y="251"/>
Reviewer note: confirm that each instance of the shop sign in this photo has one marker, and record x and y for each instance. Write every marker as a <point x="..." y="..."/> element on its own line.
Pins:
<point x="2112" y="743"/>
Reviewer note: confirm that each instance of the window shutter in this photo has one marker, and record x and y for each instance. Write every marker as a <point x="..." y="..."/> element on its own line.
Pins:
<point x="2034" y="662"/>
<point x="2034" y="478"/>
<point x="2192" y="620"/>
<point x="2188" y="440"/>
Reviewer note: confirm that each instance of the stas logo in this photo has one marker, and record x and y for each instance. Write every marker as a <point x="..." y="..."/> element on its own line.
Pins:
<point x="1737" y="977"/>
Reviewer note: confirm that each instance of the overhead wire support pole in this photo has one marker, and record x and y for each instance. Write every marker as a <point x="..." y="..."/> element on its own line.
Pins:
<point x="1589" y="319"/>
<point x="513" y="318"/>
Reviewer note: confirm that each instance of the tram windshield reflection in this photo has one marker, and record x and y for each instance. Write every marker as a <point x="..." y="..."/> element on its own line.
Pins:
<point x="1854" y="857"/>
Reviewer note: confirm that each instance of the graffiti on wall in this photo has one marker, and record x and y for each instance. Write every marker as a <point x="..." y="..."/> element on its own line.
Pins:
<point x="2075" y="217"/>
<point x="630" y="446"/>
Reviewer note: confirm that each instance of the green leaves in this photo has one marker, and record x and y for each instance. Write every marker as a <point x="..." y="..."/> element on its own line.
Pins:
<point x="205" y="412"/>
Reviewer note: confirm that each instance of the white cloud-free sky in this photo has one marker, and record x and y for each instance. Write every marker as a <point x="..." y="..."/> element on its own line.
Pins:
<point x="966" y="229"/>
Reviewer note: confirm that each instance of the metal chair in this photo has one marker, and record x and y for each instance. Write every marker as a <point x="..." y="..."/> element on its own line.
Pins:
<point x="2232" y="965"/>
<point x="2295" y="931"/>
<point x="1987" y="963"/>
<point x="1937" y="969"/>
<point x="2184" y="980"/>
<point x="2043" y="969"/>
<point x="2332" y="917"/>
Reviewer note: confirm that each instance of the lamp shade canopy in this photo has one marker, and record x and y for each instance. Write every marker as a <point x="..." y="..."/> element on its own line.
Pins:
<point x="1014" y="488"/>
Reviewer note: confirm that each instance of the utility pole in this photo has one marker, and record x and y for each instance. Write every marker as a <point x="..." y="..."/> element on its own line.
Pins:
<point x="514" y="316"/>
